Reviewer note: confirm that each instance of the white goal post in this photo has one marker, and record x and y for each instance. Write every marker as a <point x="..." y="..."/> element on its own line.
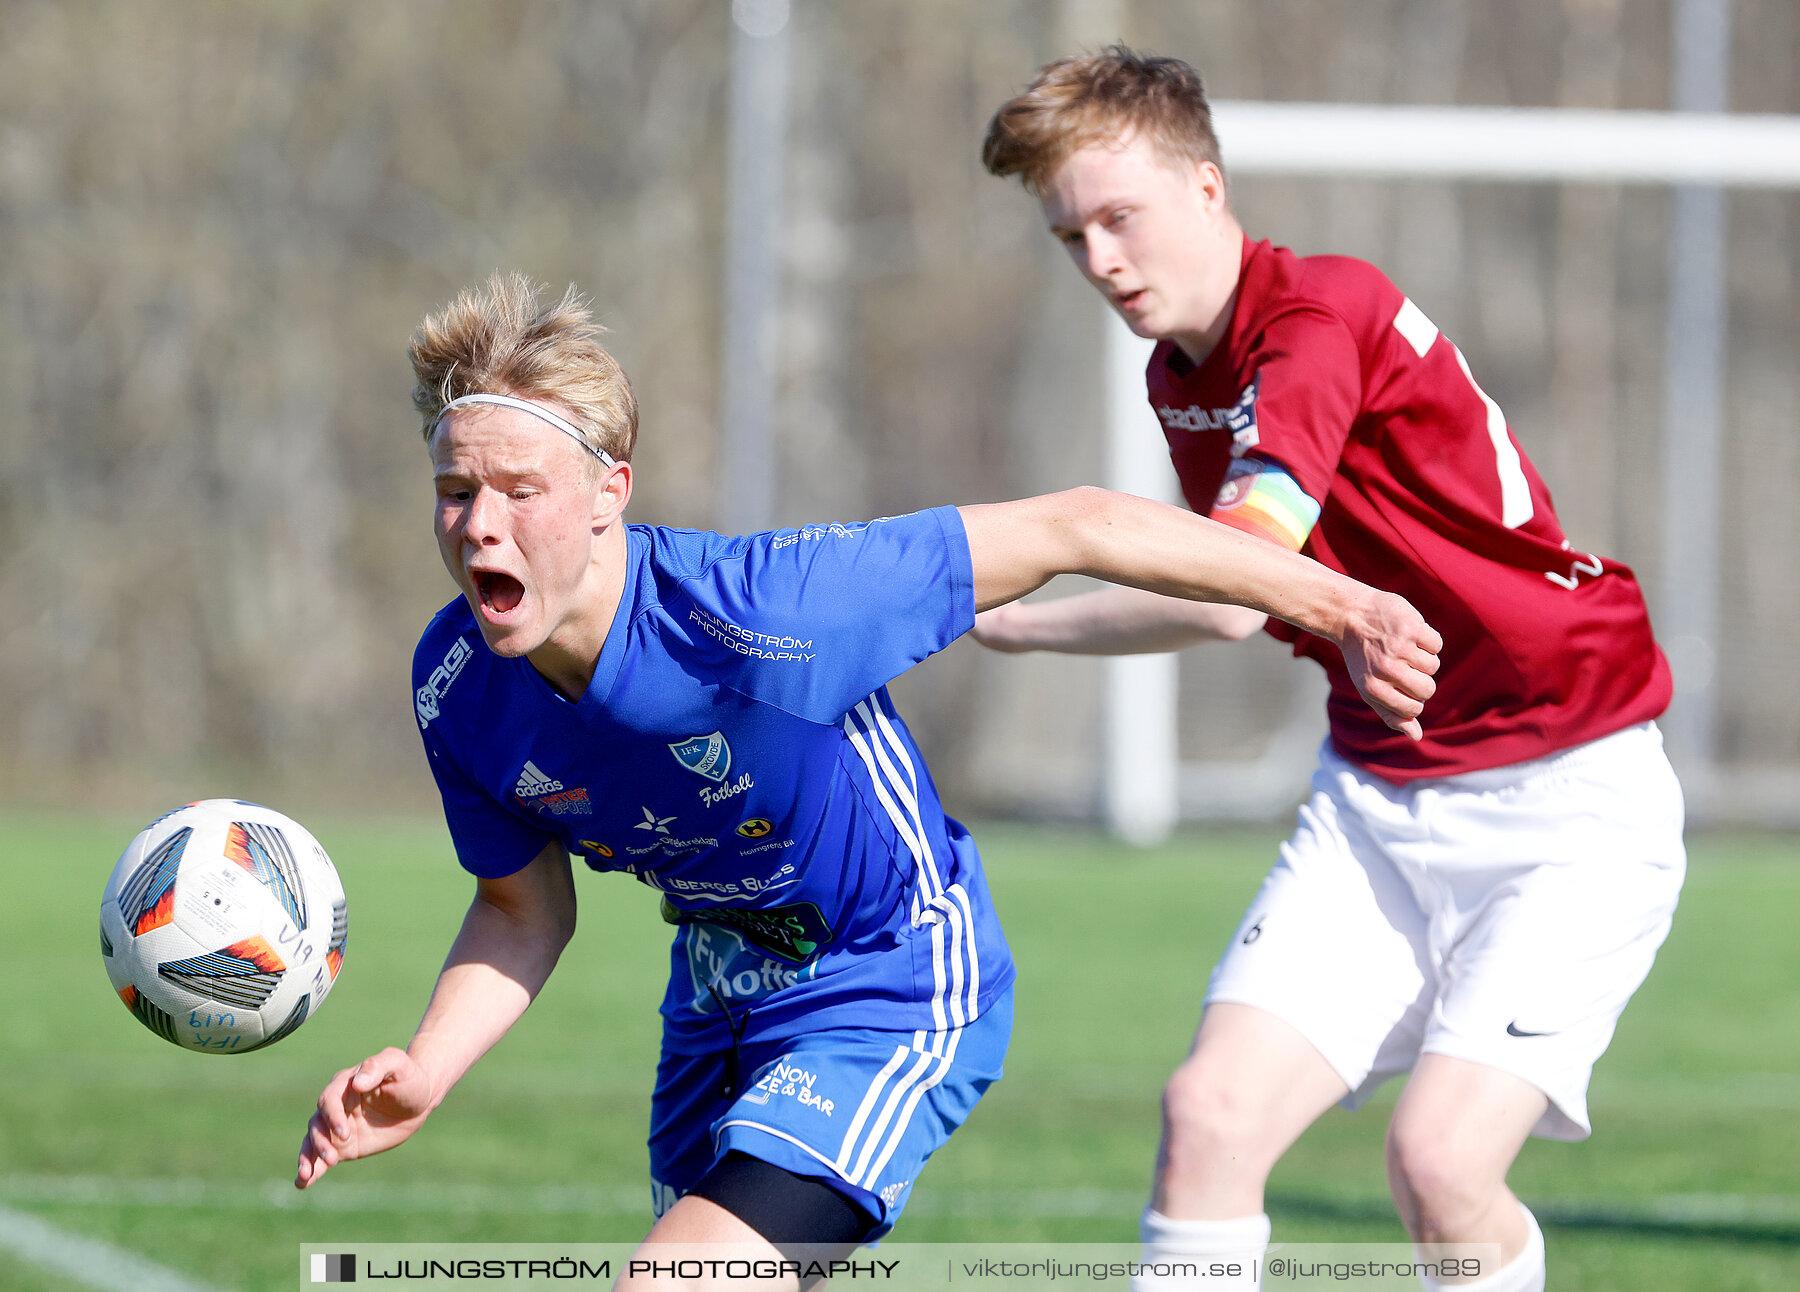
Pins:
<point x="1697" y="153"/>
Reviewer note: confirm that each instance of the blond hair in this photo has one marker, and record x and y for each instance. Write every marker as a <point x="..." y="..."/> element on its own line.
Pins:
<point x="1100" y="98"/>
<point x="497" y="339"/>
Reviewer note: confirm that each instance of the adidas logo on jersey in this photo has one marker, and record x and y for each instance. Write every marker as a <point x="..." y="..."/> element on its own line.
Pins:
<point x="533" y="782"/>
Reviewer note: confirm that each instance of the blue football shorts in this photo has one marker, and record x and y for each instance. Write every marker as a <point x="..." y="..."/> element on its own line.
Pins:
<point x="856" y="1107"/>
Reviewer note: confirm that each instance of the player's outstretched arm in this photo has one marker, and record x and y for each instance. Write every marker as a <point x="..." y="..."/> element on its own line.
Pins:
<point x="510" y="940"/>
<point x="1113" y="621"/>
<point x="1016" y="547"/>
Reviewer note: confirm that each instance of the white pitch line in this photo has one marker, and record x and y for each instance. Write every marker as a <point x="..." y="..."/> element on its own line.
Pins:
<point x="280" y="1195"/>
<point x="88" y="1261"/>
<point x="1773" y="1092"/>
<point x="630" y="1200"/>
<point x="429" y="1198"/>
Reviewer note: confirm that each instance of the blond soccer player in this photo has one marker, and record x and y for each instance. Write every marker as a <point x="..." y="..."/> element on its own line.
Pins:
<point x="708" y="716"/>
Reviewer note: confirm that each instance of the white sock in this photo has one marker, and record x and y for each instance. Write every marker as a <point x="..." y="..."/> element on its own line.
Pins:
<point x="1243" y="1241"/>
<point x="1524" y="1273"/>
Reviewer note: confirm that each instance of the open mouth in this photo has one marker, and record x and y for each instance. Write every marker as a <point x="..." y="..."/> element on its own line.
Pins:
<point x="499" y="593"/>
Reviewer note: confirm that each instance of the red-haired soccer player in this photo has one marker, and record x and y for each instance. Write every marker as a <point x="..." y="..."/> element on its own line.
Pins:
<point x="1474" y="906"/>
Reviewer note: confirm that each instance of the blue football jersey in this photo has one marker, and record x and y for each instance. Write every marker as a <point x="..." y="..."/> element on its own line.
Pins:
<point x="737" y="751"/>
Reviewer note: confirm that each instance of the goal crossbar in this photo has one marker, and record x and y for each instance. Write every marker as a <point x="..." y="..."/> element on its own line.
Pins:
<point x="1520" y="144"/>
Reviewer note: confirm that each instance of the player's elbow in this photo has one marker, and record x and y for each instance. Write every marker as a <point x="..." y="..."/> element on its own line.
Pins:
<point x="1235" y="623"/>
<point x="543" y="928"/>
<point x="1085" y="504"/>
<point x="1079" y="518"/>
<point x="546" y="937"/>
<point x="555" y="922"/>
<point x="559" y="930"/>
<point x="533" y="908"/>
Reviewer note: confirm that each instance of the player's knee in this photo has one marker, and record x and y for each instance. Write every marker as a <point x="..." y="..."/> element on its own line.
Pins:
<point x="1442" y="1188"/>
<point x="1205" y="1115"/>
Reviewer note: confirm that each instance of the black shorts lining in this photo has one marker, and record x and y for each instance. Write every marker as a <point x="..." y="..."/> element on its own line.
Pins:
<point x="785" y="1208"/>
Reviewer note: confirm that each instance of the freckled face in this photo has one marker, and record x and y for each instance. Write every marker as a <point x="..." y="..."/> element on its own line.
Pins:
<point x="1145" y="232"/>
<point x="516" y="526"/>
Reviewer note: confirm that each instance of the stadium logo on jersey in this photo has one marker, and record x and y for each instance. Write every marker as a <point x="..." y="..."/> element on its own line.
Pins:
<point x="707" y="755"/>
<point x="533" y="782"/>
<point x="425" y="700"/>
<point x="756" y="827"/>
<point x="1239" y="419"/>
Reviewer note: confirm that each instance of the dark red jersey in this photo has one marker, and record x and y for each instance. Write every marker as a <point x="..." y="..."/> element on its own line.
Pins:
<point x="1328" y="370"/>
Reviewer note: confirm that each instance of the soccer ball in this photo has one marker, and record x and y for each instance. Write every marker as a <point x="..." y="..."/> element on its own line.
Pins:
<point x="223" y="926"/>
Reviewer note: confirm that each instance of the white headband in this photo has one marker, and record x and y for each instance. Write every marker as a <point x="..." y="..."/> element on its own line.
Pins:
<point x="524" y="406"/>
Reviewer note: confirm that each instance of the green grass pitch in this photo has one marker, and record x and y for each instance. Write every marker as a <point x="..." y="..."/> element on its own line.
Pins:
<point x="1692" y="1179"/>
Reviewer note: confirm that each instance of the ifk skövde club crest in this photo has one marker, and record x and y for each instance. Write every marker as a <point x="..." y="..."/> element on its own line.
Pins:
<point x="707" y="755"/>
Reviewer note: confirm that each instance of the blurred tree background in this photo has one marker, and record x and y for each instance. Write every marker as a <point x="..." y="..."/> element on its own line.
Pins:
<point x="221" y="221"/>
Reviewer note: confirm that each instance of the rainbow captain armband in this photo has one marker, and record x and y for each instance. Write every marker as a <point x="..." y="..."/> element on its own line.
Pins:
<point x="1261" y="498"/>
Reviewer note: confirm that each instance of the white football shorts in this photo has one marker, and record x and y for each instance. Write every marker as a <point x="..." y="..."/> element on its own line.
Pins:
<point x="1501" y="916"/>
